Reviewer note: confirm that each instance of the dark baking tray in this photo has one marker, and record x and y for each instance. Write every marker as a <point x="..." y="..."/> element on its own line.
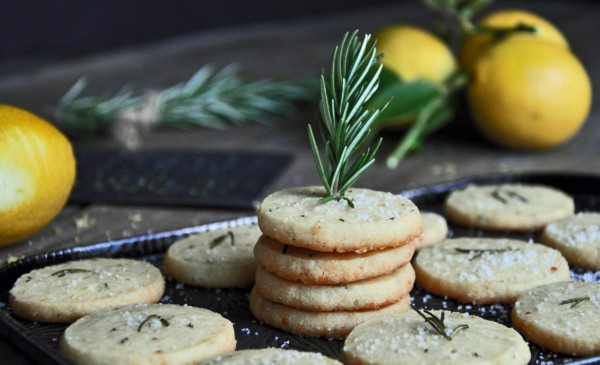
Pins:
<point x="39" y="341"/>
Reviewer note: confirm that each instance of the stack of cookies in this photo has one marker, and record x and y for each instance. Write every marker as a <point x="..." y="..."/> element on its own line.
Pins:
<point x="324" y="268"/>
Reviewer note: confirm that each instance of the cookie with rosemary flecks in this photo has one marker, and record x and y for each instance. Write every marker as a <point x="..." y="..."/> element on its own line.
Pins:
<point x="577" y="238"/>
<point x="328" y="268"/>
<point x="377" y="220"/>
<point x="461" y="339"/>
<point x="222" y="258"/>
<point x="68" y="291"/>
<point x="365" y="294"/>
<point x="148" y="334"/>
<point x="487" y="270"/>
<point x="435" y="230"/>
<point x="317" y="324"/>
<point x="562" y="317"/>
<point x="508" y="207"/>
<point x="271" y="356"/>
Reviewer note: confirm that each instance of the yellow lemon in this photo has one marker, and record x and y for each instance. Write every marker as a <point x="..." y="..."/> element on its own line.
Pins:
<point x="475" y="45"/>
<point x="37" y="171"/>
<point x="528" y="94"/>
<point x="414" y="53"/>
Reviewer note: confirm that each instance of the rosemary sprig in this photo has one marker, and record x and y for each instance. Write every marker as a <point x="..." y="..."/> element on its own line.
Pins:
<point x="218" y="240"/>
<point x="344" y="123"/>
<point x="163" y="322"/>
<point x="438" y="324"/>
<point x="575" y="301"/>
<point x="214" y="100"/>
<point x="91" y="114"/>
<point x="64" y="272"/>
<point x="208" y="99"/>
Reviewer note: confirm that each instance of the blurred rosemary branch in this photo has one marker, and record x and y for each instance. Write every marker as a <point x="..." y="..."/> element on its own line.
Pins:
<point x="212" y="99"/>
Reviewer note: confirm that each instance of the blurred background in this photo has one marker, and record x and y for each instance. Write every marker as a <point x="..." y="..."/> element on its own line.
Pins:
<point x="32" y="31"/>
<point x="41" y="38"/>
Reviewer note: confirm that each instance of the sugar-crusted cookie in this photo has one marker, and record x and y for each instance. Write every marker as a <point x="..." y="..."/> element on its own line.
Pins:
<point x="371" y="293"/>
<point x="487" y="270"/>
<point x="316" y="324"/>
<point x="221" y="258"/>
<point x="271" y="356"/>
<point x="68" y="291"/>
<point x="328" y="268"/>
<point x="435" y="230"/>
<point x="562" y="317"/>
<point x="147" y="334"/>
<point x="577" y="238"/>
<point x="378" y="220"/>
<point x="510" y="207"/>
<point x="408" y="339"/>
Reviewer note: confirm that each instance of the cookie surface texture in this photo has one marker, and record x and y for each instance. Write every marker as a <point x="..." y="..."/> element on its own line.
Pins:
<point x="562" y="317"/>
<point x="147" y="334"/>
<point x="378" y="220"/>
<point x="328" y="268"/>
<point x="68" y="291"/>
<point x="435" y="230"/>
<point x="408" y="339"/>
<point x="508" y="207"/>
<point x="372" y="293"/>
<point x="271" y="356"/>
<point x="487" y="270"/>
<point x="222" y="258"/>
<point x="577" y="238"/>
<point x="317" y="324"/>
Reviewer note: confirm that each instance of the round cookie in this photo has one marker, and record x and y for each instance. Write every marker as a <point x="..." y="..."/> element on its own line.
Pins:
<point x="372" y="293"/>
<point x="562" y="317"/>
<point x="271" y="356"/>
<point x="222" y="258"/>
<point x="508" y="207"/>
<point x="147" y="334"/>
<point x="378" y="220"/>
<point x="409" y="338"/>
<point x="68" y="291"/>
<point x="577" y="238"/>
<point x="328" y="268"/>
<point x="435" y="230"/>
<point x="487" y="270"/>
<point x="317" y="324"/>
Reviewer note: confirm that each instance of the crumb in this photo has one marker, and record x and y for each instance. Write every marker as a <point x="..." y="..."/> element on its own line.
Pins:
<point x="12" y="259"/>
<point x="84" y="221"/>
<point x="135" y="217"/>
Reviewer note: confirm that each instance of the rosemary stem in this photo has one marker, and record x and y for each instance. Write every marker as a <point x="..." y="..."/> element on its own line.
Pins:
<point x="468" y="28"/>
<point x="414" y="133"/>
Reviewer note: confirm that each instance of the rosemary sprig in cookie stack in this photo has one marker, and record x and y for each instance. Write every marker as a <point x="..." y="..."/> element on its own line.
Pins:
<point x="333" y="256"/>
<point x="344" y="122"/>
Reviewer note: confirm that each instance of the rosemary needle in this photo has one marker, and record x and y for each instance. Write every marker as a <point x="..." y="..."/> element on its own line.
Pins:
<point x="64" y="272"/>
<point x="477" y="253"/>
<point x="575" y="301"/>
<point x="218" y="240"/>
<point x="163" y="322"/>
